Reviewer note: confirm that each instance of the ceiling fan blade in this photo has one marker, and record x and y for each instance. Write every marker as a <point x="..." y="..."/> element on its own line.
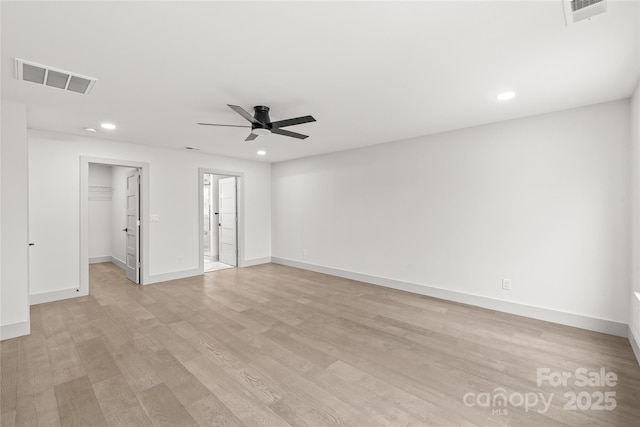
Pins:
<point x="291" y="122"/>
<point x="287" y="133"/>
<point x="244" y="114"/>
<point x="232" y="126"/>
<point x="251" y="137"/>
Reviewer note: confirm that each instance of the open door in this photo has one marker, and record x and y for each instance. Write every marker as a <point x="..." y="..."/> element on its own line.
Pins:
<point x="133" y="226"/>
<point x="228" y="221"/>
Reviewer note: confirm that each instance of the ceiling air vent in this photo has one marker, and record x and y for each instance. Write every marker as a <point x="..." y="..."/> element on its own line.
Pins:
<point x="53" y="77"/>
<point x="579" y="10"/>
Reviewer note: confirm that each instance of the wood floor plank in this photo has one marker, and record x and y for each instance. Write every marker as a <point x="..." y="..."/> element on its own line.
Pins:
<point x="119" y="403"/>
<point x="8" y="418"/>
<point x="135" y="368"/>
<point x="37" y="405"/>
<point x="164" y="315"/>
<point x="163" y="408"/>
<point x="182" y="383"/>
<point x="64" y="358"/>
<point x="318" y="358"/>
<point x="77" y="404"/>
<point x="173" y="343"/>
<point x="305" y="399"/>
<point x="9" y="372"/>
<point x="82" y="332"/>
<point x="210" y="411"/>
<point x="250" y="410"/>
<point x="97" y="360"/>
<point x="367" y="401"/>
<point x="38" y="409"/>
<point x="424" y="411"/>
<point x="253" y="381"/>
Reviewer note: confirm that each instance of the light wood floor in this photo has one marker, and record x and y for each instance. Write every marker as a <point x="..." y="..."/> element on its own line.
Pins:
<point x="272" y="345"/>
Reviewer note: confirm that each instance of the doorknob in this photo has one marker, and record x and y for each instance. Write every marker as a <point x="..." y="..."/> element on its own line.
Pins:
<point x="32" y="244"/>
<point x="125" y="229"/>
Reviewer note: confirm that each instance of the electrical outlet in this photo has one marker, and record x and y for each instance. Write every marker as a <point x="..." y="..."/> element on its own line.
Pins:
<point x="179" y="260"/>
<point x="506" y="284"/>
<point x="304" y="252"/>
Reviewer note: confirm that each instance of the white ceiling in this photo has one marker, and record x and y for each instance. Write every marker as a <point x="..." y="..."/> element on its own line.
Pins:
<point x="369" y="72"/>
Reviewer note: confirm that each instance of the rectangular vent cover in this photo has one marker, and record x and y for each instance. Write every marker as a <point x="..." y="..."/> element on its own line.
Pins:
<point x="53" y="77"/>
<point x="581" y="4"/>
<point x="579" y="10"/>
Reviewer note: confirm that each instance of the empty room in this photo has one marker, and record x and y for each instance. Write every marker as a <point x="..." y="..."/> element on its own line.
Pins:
<point x="349" y="213"/>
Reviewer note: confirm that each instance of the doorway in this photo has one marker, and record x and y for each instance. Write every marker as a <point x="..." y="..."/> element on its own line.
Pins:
<point x="114" y="203"/>
<point x="219" y="220"/>
<point x="127" y="240"/>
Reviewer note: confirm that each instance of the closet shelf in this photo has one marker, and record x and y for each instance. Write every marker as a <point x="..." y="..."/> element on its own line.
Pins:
<point x="99" y="189"/>
<point x="100" y="193"/>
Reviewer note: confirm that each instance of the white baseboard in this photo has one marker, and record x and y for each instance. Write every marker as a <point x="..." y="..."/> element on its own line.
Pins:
<point x="635" y="344"/>
<point x="118" y="262"/>
<point x="112" y="259"/>
<point x="15" y="330"/>
<point x="44" y="297"/>
<point x="174" y="275"/>
<point x="540" y="313"/>
<point x="256" y="261"/>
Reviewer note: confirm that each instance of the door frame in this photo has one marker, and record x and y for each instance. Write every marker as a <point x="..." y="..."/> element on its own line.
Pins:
<point x="83" y="289"/>
<point x="239" y="206"/>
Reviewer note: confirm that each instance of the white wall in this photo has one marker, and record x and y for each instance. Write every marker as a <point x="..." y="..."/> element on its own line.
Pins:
<point x="634" y="316"/>
<point x="119" y="213"/>
<point x="173" y="196"/>
<point x="14" y="250"/>
<point x="100" y="211"/>
<point x="542" y="200"/>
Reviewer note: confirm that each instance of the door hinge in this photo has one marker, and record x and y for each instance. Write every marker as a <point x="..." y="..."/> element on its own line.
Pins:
<point x="138" y="223"/>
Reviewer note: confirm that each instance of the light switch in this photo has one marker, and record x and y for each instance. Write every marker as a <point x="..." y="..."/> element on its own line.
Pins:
<point x="155" y="218"/>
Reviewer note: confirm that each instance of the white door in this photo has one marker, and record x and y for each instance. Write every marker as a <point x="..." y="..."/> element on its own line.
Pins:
<point x="133" y="226"/>
<point x="227" y="220"/>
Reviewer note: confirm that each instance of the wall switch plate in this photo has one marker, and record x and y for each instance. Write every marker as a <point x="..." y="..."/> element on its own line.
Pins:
<point x="155" y="218"/>
<point x="506" y="284"/>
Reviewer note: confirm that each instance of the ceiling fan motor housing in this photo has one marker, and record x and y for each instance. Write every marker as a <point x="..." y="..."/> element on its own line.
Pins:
<point x="261" y="115"/>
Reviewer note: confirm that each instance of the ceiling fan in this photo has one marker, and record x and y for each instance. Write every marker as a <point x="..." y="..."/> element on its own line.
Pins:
<point x="261" y="124"/>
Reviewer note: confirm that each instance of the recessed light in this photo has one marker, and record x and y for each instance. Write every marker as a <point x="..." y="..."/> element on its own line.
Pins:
<point x="109" y="126"/>
<point x="506" y="95"/>
<point x="90" y="129"/>
<point x="261" y="152"/>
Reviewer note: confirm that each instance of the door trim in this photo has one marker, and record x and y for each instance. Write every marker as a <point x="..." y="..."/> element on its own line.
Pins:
<point x="83" y="289"/>
<point x="240" y="209"/>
